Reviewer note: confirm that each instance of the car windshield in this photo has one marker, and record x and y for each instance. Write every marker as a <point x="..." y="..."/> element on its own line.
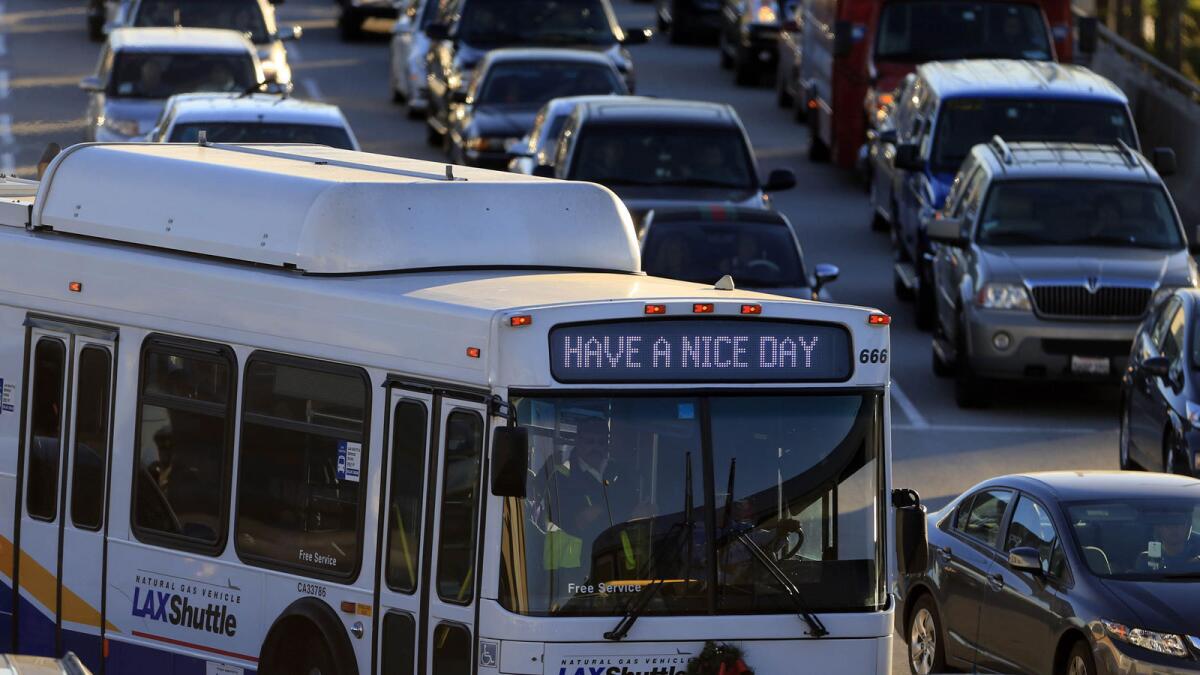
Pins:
<point x="145" y="75"/>
<point x="604" y="513"/>
<point x="1153" y="539"/>
<point x="544" y="22"/>
<point x="917" y="31"/>
<point x="660" y="155"/>
<point x="533" y="83"/>
<point x="965" y="122"/>
<point x="757" y="255"/>
<point x="1078" y="213"/>
<point x="257" y="132"/>
<point x="243" y="16"/>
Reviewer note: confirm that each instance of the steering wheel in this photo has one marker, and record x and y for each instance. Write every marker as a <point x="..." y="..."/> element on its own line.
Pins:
<point x="780" y="546"/>
<point x="762" y="265"/>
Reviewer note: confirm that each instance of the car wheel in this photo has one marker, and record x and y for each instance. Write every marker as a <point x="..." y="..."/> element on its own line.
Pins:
<point x="969" y="391"/>
<point x="1175" y="456"/>
<point x="878" y="222"/>
<point x="95" y="29"/>
<point x="926" y="304"/>
<point x="397" y="95"/>
<point x="926" y="654"/>
<point x="902" y="292"/>
<point x="722" y="47"/>
<point x="783" y="99"/>
<point x="1123" y="455"/>
<point x="941" y="367"/>
<point x="817" y="150"/>
<point x="1080" y="661"/>
<point x="744" y="74"/>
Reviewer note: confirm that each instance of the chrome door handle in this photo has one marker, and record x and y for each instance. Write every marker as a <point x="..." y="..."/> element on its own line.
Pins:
<point x="996" y="581"/>
<point x="945" y="554"/>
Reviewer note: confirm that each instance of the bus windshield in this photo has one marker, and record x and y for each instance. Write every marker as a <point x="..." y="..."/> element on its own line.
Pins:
<point x="611" y="479"/>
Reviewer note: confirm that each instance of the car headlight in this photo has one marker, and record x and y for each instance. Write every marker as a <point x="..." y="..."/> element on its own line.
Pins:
<point x="1163" y="643"/>
<point x="1161" y="295"/>
<point x="120" y="126"/>
<point x="1193" y="416"/>
<point x="765" y="13"/>
<point x="1004" y="296"/>
<point x="486" y="143"/>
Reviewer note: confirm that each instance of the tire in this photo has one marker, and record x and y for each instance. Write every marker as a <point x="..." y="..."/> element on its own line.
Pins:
<point x="969" y="389"/>
<point x="726" y="59"/>
<point x="926" y="306"/>
<point x="902" y="292"/>
<point x="432" y="137"/>
<point x="744" y="74"/>
<point x="414" y="113"/>
<point x="1124" y="459"/>
<point x="800" y="112"/>
<point x="1079" y="660"/>
<point x="307" y="653"/>
<point x="818" y="152"/>
<point x="95" y="29"/>
<point x="926" y="653"/>
<point x="397" y="96"/>
<point x="878" y="222"/>
<point x="941" y="368"/>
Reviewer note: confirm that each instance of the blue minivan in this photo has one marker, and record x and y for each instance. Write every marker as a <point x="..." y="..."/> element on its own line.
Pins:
<point x="952" y="106"/>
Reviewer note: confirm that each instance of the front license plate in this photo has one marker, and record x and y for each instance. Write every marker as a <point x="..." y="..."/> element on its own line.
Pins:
<point x="1090" y="365"/>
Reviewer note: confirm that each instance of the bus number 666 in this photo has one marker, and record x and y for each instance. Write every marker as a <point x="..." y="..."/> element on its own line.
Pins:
<point x="872" y="356"/>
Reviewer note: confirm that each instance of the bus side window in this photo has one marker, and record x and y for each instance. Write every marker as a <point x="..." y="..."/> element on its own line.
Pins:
<point x="181" y="488"/>
<point x="45" y="420"/>
<point x="451" y="650"/>
<point x="459" y="508"/>
<point x="407" y="495"/>
<point x="303" y="460"/>
<point x="399" y="637"/>
<point x="90" y="454"/>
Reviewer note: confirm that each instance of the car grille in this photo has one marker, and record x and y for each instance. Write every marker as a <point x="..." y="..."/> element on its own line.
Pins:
<point x="1115" y="302"/>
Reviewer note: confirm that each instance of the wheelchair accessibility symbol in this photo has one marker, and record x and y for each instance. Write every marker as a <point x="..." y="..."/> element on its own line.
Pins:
<point x="489" y="654"/>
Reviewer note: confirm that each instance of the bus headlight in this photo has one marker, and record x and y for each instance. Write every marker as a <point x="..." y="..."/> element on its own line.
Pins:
<point x="1163" y="643"/>
<point x="1004" y="296"/>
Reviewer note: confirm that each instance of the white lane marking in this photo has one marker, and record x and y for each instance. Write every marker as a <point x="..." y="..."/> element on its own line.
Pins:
<point x="310" y="86"/>
<point x="8" y="164"/>
<point x="915" y="418"/>
<point x="986" y="428"/>
<point x="4" y="88"/>
<point x="6" y="132"/>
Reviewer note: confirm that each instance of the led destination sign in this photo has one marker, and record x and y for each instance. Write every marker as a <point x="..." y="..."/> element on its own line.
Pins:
<point x="712" y="350"/>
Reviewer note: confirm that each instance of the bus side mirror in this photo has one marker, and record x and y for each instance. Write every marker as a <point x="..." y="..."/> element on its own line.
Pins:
<point x="843" y="38"/>
<point x="912" y="539"/>
<point x="1089" y="34"/>
<point x="510" y="461"/>
<point x="1164" y="162"/>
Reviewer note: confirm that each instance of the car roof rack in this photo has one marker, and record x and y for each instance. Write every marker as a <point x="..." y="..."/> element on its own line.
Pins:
<point x="1005" y="152"/>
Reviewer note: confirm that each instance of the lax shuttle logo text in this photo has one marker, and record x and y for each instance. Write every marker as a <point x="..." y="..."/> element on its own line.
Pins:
<point x="199" y="606"/>
<point x="659" y="664"/>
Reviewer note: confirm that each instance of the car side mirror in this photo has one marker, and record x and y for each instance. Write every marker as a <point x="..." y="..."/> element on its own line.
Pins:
<point x="91" y="83"/>
<point x="1089" y="34"/>
<point x="908" y="157"/>
<point x="510" y="461"/>
<point x="843" y="38"/>
<point x="946" y="231"/>
<point x="437" y="31"/>
<point x="912" y="535"/>
<point x="1164" y="162"/>
<point x="779" y="180"/>
<point x="825" y="274"/>
<point x="289" y="33"/>
<point x="887" y="136"/>
<point x="544" y="171"/>
<point x="1025" y="559"/>
<point x="1157" y="366"/>
<point x="636" y="36"/>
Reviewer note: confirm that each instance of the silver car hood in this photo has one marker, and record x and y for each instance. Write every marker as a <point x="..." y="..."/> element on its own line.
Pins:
<point x="1087" y="265"/>
<point x="145" y="111"/>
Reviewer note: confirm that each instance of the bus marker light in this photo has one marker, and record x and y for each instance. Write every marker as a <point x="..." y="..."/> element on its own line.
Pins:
<point x="75" y="286"/>
<point x="364" y="610"/>
<point x="349" y="606"/>
<point x="879" y="320"/>
<point x="473" y="352"/>
<point x="703" y="308"/>
<point x="656" y="309"/>
<point x="520" y="320"/>
<point x="751" y="309"/>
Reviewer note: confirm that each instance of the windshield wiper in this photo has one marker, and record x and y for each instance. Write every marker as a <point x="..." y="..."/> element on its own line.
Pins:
<point x="635" y="608"/>
<point x="815" y="627"/>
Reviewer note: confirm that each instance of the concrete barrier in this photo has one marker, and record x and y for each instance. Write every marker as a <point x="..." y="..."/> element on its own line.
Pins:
<point x="1166" y="108"/>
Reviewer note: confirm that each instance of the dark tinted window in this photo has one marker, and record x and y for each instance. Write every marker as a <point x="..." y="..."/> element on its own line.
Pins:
<point x="987" y="512"/>
<point x="249" y="132"/>
<point x="399" y="644"/>
<point x="541" y="22"/>
<point x="46" y="423"/>
<point x="1172" y="342"/>
<point x="964" y="123"/>
<point x="407" y="495"/>
<point x="303" y="460"/>
<point x="1079" y="213"/>
<point x="532" y="83"/>
<point x="243" y="16"/>
<point x="925" y="30"/>
<point x="451" y="650"/>
<point x="460" y="500"/>
<point x="1032" y="527"/>
<point x="144" y="75"/>
<point x="758" y="255"/>
<point x="183" y="448"/>
<point x="90" y="451"/>
<point x="653" y="155"/>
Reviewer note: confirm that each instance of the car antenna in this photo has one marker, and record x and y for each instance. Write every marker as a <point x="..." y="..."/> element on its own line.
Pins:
<point x="202" y="138"/>
<point x="725" y="283"/>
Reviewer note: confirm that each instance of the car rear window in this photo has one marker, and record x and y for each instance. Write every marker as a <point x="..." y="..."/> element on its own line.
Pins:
<point x="149" y="75"/>
<point x="660" y="155"/>
<point x="917" y="31"/>
<point x="252" y="132"/>
<point x="533" y="83"/>
<point x="243" y="16"/>
<point x="757" y="255"/>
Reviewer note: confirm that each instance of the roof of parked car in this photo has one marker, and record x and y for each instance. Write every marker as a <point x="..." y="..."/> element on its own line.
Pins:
<point x="543" y="54"/>
<point x="179" y="40"/>
<point x="1012" y="78"/>
<point x="1065" y="161"/>
<point x="659" y="110"/>
<point x="255" y="107"/>
<point x="1069" y="486"/>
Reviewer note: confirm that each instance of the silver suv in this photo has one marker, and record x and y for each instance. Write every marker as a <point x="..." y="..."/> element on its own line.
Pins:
<point x="1047" y="257"/>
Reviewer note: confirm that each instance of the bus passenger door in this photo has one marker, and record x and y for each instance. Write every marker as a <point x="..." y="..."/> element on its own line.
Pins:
<point x="65" y="445"/>
<point x="401" y="550"/>
<point x="448" y="631"/>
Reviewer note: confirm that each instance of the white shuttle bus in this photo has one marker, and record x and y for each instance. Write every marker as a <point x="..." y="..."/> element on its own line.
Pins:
<point x="290" y="409"/>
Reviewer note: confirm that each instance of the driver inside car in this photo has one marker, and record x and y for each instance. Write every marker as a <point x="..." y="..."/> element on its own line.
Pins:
<point x="1173" y="547"/>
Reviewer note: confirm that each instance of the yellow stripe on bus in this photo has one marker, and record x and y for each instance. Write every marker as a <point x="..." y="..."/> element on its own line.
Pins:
<point x="42" y="584"/>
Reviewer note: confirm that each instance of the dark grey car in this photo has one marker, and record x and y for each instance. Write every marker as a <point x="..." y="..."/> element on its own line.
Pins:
<point x="1048" y="257"/>
<point x="1071" y="573"/>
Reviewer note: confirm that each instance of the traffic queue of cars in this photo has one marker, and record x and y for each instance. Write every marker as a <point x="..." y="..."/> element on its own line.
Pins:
<point x="1035" y="238"/>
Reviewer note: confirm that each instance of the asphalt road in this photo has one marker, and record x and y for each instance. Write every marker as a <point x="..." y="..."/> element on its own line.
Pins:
<point x="938" y="449"/>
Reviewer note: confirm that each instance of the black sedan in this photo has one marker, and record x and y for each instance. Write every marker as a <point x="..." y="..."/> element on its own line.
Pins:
<point x="1071" y="573"/>
<point x="748" y="39"/>
<point x="1160" y="399"/>
<point x="510" y="85"/>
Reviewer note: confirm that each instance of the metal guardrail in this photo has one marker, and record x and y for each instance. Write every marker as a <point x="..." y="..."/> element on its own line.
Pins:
<point x="1153" y="68"/>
